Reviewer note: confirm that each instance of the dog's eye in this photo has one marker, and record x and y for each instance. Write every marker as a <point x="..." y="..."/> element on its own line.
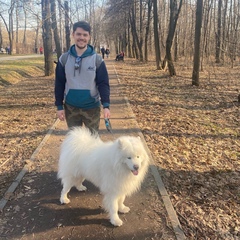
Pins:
<point x="129" y="158"/>
<point x="137" y="156"/>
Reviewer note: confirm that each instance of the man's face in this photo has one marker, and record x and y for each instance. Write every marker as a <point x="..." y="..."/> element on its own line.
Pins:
<point x="81" y="38"/>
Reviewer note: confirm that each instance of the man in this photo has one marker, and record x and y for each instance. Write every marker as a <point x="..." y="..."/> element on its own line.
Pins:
<point x="103" y="52"/>
<point x="80" y="85"/>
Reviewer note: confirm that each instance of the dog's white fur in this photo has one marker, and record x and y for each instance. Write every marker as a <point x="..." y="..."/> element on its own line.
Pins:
<point x="117" y="168"/>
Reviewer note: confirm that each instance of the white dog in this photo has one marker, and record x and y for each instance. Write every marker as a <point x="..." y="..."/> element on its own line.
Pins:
<point x="117" y="168"/>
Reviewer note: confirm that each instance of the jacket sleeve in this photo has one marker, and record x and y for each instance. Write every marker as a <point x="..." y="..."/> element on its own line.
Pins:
<point x="102" y="82"/>
<point x="60" y="81"/>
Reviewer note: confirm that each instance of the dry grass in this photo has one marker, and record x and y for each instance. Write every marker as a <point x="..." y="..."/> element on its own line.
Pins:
<point x="11" y="72"/>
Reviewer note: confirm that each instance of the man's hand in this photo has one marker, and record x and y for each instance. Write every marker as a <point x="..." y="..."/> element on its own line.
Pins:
<point x="61" y="115"/>
<point x="106" y="113"/>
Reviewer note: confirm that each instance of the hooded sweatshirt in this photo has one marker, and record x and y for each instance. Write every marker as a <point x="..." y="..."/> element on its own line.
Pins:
<point x="80" y="83"/>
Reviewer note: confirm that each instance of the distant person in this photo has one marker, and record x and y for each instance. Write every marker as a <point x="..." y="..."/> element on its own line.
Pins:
<point x="120" y="56"/>
<point x="107" y="52"/>
<point x="41" y="50"/>
<point x="103" y="52"/>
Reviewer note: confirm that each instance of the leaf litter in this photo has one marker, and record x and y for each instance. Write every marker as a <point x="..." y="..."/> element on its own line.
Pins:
<point x="194" y="136"/>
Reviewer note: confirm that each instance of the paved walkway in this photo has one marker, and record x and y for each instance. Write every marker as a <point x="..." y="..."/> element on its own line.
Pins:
<point x="34" y="211"/>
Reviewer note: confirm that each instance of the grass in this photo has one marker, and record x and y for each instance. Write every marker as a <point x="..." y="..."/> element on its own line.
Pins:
<point x="12" y="71"/>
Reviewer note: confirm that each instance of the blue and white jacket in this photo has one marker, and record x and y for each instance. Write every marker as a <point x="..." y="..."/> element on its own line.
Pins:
<point x="84" y="86"/>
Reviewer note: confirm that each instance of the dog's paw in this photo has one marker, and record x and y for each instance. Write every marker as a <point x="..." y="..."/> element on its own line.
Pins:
<point x="64" y="200"/>
<point x="117" y="222"/>
<point x="81" y="188"/>
<point x="124" y="209"/>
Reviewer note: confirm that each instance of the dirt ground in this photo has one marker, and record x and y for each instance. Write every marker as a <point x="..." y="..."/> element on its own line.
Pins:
<point x="192" y="132"/>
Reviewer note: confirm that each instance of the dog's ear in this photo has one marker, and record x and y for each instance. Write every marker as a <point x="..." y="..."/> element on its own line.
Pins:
<point x="123" y="143"/>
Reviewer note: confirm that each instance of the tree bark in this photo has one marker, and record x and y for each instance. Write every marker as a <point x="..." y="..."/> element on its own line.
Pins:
<point x="156" y="35"/>
<point x="47" y="37"/>
<point x="67" y="28"/>
<point x="218" y="35"/>
<point x="174" y="13"/>
<point x="198" y="25"/>
<point x="55" y="29"/>
<point x="147" y="29"/>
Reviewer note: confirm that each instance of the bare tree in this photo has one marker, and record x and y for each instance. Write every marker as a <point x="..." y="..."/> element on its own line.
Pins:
<point x="198" y="25"/>
<point x="218" y="34"/>
<point x="67" y="25"/>
<point x="55" y="28"/>
<point x="25" y="27"/>
<point x="149" y="11"/>
<point x="174" y="14"/>
<point x="137" y="30"/>
<point x="156" y="35"/>
<point x="47" y="37"/>
<point x="9" y="25"/>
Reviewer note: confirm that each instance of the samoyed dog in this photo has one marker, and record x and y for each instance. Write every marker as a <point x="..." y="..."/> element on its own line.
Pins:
<point x="117" y="168"/>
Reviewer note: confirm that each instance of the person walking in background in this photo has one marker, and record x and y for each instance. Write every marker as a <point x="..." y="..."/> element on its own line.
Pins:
<point x="82" y="82"/>
<point x="7" y="50"/>
<point x="107" y="52"/>
<point x="41" y="50"/>
<point x="103" y="52"/>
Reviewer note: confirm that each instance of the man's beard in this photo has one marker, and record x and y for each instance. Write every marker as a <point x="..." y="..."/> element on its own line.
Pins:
<point x="81" y="47"/>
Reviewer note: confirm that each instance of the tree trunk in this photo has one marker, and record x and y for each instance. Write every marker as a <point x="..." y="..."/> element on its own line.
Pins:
<point x="10" y="29"/>
<point x="9" y="26"/>
<point x="218" y="35"/>
<point x="147" y="29"/>
<point x="17" y="26"/>
<point x="156" y="35"/>
<point x="134" y="34"/>
<point x="174" y="13"/>
<point x="47" y="37"/>
<point x="37" y="34"/>
<point x="25" y="27"/>
<point x="224" y="31"/>
<point x="198" y="25"/>
<point x="67" y="28"/>
<point x="137" y="40"/>
<point x="55" y="29"/>
<point x="176" y="47"/>
<point x="128" y="39"/>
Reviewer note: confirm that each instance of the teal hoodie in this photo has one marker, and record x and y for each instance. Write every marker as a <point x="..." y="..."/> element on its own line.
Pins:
<point x="79" y="83"/>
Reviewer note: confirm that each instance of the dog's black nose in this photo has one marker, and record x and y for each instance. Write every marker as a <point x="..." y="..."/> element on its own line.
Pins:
<point x="136" y="167"/>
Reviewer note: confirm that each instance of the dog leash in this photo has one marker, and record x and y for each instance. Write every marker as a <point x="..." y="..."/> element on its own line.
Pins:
<point x="108" y="125"/>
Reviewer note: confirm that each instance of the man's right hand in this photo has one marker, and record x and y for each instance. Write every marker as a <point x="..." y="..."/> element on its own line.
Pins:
<point x="61" y="115"/>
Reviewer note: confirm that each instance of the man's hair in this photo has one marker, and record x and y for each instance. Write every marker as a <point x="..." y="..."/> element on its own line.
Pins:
<point x="82" y="24"/>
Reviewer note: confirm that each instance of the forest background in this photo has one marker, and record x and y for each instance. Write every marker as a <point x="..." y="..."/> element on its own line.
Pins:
<point x="169" y="46"/>
<point x="204" y="32"/>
